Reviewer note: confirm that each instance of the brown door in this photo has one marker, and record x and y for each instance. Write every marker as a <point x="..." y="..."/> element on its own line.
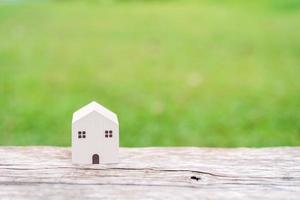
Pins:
<point x="95" y="159"/>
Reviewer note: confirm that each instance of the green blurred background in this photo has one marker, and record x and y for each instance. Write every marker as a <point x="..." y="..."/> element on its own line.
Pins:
<point x="177" y="73"/>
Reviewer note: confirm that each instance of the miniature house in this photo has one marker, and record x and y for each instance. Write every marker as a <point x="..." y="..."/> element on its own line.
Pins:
<point x="95" y="135"/>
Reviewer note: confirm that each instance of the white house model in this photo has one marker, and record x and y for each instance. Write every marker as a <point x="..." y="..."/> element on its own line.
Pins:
<point x="95" y="135"/>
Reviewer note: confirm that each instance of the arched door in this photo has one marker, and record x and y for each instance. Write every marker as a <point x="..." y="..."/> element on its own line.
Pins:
<point x="95" y="159"/>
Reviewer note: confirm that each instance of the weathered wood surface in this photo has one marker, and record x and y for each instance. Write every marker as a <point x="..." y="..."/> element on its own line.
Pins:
<point x="152" y="173"/>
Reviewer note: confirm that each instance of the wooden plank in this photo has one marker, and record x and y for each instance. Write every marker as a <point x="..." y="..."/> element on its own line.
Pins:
<point x="152" y="173"/>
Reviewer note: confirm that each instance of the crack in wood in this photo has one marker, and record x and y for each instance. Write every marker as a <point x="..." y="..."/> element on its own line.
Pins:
<point x="160" y="170"/>
<point x="196" y="178"/>
<point x="143" y="185"/>
<point x="93" y="184"/>
<point x="128" y="169"/>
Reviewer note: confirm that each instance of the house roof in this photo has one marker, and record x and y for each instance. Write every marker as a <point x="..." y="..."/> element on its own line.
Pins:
<point x="94" y="107"/>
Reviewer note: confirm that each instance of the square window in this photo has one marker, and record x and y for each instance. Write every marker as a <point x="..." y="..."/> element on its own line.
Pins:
<point x="81" y="134"/>
<point x="110" y="135"/>
<point x="106" y="131"/>
<point x="110" y="131"/>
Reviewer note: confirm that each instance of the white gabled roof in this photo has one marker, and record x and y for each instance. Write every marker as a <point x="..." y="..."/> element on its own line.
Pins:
<point x="94" y="106"/>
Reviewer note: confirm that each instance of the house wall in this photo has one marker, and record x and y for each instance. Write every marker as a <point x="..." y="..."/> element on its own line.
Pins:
<point x="94" y="124"/>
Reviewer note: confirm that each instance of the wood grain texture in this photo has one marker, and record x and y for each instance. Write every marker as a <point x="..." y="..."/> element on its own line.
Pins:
<point x="152" y="173"/>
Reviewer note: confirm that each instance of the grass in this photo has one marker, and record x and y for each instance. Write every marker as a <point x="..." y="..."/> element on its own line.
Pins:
<point x="179" y="73"/>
